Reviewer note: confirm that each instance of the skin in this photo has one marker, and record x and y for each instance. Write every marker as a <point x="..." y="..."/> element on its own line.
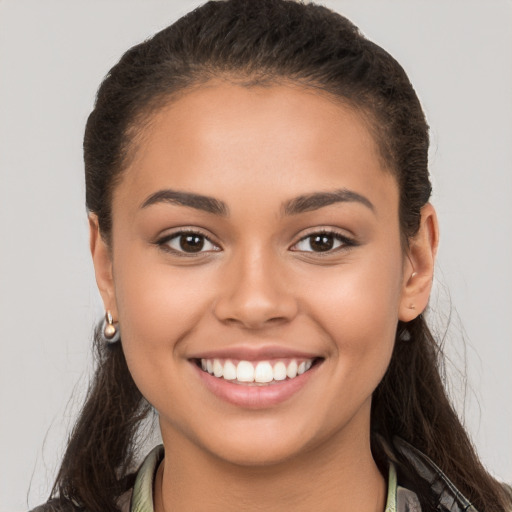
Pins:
<point x="259" y="283"/>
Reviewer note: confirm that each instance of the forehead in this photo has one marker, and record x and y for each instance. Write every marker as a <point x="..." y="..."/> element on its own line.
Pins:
<point x="222" y="136"/>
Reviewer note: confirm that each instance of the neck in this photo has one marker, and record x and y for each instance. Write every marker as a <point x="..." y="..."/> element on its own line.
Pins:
<point x="323" y="479"/>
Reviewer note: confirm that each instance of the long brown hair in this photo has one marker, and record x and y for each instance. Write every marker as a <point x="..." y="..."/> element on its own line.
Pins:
<point x="266" y="42"/>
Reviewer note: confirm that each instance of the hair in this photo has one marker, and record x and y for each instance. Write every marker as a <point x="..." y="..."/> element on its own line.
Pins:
<point x="264" y="43"/>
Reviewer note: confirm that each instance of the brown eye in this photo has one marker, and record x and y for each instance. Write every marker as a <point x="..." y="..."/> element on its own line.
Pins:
<point x="191" y="243"/>
<point x="188" y="243"/>
<point x="322" y="242"/>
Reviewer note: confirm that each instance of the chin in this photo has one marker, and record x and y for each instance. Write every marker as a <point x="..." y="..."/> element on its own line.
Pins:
<point x="249" y="454"/>
<point x="265" y="443"/>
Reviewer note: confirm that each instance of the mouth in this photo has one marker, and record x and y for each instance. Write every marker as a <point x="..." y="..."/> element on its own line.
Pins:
<point x="259" y="381"/>
<point x="256" y="373"/>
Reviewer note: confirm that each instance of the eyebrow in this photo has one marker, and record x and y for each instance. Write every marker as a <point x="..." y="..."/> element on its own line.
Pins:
<point x="300" y="204"/>
<point x="317" y="200"/>
<point x="197" y="201"/>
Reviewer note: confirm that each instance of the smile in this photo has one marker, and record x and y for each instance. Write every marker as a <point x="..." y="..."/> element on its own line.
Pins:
<point x="256" y="372"/>
<point x="256" y="378"/>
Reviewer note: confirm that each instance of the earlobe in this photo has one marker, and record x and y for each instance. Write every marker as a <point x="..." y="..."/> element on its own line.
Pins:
<point x="102" y="261"/>
<point x="419" y="267"/>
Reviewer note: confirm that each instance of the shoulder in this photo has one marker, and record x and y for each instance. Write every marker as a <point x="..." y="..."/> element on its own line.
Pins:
<point x="57" y="505"/>
<point x="141" y="494"/>
<point x="63" y="505"/>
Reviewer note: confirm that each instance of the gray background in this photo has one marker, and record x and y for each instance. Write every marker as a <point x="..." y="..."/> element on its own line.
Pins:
<point x="53" y="55"/>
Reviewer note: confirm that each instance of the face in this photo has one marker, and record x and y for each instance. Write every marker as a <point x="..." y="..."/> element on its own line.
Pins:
<point x="256" y="237"/>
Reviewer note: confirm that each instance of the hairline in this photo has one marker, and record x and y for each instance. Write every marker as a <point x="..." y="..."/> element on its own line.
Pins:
<point x="138" y="126"/>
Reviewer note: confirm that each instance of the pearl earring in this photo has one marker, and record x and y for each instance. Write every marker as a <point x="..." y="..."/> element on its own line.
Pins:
<point x="110" y="331"/>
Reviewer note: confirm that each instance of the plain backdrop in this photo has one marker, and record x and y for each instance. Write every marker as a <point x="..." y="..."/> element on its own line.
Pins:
<point x="53" y="54"/>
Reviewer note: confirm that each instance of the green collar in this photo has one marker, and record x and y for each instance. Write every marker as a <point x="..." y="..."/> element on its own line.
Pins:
<point x="392" y="486"/>
<point x="142" y="497"/>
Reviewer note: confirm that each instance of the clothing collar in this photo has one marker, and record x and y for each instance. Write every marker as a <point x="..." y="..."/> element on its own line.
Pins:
<point x="142" y="497"/>
<point x="449" y="497"/>
<point x="399" y="498"/>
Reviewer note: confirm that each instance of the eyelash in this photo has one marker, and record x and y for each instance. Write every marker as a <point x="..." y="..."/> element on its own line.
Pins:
<point x="345" y="242"/>
<point x="163" y="243"/>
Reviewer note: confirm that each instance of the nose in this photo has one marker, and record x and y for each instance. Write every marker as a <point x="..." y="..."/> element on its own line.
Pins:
<point x="255" y="292"/>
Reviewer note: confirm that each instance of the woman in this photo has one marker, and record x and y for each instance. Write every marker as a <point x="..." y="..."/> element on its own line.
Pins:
<point x="258" y="192"/>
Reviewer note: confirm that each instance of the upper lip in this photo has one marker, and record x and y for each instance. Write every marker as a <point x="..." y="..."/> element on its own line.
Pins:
<point x="248" y="353"/>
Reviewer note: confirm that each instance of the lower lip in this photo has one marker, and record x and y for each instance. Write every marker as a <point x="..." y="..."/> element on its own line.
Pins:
<point x="255" y="396"/>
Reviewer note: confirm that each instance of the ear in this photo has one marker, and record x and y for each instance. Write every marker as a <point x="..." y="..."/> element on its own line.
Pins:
<point x="419" y="266"/>
<point x="102" y="261"/>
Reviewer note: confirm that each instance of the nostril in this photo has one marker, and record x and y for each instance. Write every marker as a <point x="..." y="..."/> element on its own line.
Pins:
<point x="254" y="323"/>
<point x="253" y="304"/>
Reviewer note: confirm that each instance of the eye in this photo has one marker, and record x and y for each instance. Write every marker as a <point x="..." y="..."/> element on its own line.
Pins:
<point x="188" y="242"/>
<point x="323" y="241"/>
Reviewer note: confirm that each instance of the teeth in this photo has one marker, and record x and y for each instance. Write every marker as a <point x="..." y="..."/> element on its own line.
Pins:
<point x="229" y="371"/>
<point x="280" y="371"/>
<point x="261" y="372"/>
<point x="218" y="370"/>
<point x="245" y="372"/>
<point x="291" y="371"/>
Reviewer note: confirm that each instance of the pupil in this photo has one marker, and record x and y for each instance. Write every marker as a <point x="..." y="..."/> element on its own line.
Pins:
<point x="191" y="243"/>
<point x="321" y="242"/>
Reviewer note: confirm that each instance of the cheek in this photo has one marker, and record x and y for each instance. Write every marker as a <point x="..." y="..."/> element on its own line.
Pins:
<point x="156" y="298"/>
<point x="158" y="307"/>
<point x="357" y="307"/>
<point x="359" y="301"/>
